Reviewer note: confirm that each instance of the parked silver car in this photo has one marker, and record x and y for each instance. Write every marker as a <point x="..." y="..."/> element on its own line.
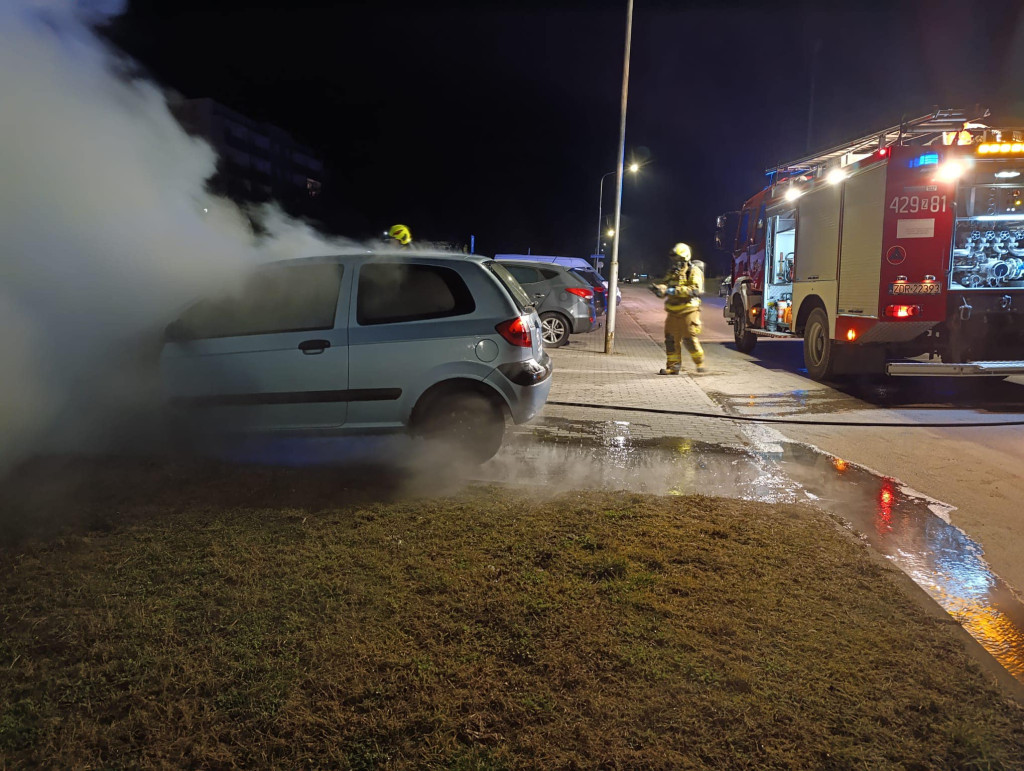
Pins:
<point x="564" y="301"/>
<point x="441" y="345"/>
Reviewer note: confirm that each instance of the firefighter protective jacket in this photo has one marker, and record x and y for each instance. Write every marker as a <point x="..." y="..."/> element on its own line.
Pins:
<point x="685" y="286"/>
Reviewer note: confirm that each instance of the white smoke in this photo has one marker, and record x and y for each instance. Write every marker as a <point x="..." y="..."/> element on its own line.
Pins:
<point x="103" y="233"/>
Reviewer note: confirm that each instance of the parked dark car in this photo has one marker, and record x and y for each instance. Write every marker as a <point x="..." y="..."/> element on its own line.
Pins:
<point x="600" y="292"/>
<point x="564" y="301"/>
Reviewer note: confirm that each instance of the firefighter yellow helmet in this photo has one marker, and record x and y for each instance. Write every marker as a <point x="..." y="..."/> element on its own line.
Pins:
<point x="682" y="251"/>
<point x="401" y="234"/>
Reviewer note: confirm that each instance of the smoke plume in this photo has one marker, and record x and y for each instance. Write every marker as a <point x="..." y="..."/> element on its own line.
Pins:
<point x="106" y="229"/>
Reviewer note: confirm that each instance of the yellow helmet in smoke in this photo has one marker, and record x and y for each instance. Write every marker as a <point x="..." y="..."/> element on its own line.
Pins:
<point x="401" y="234"/>
<point x="682" y="251"/>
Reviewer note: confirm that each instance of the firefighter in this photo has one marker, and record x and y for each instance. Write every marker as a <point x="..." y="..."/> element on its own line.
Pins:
<point x="682" y="288"/>
<point x="401" y="234"/>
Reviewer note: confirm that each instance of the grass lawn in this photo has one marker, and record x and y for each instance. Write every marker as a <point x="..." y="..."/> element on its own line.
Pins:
<point x="204" y="616"/>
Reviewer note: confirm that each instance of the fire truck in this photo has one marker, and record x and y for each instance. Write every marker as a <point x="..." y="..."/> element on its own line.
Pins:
<point x="900" y="253"/>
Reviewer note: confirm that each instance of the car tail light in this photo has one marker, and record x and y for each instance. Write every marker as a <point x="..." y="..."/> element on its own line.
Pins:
<point x="516" y="332"/>
<point x="580" y="291"/>
<point x="599" y="289"/>
<point x="902" y="311"/>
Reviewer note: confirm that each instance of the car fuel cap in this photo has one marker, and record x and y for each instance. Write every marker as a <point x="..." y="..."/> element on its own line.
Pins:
<point x="487" y="350"/>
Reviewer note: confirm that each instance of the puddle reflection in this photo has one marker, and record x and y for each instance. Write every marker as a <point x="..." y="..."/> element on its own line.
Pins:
<point x="939" y="557"/>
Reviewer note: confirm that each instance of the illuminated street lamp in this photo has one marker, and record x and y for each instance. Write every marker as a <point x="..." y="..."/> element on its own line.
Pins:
<point x="611" y="232"/>
<point x="634" y="168"/>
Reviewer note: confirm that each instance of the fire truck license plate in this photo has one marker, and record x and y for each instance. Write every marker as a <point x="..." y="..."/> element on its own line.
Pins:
<point x="930" y="288"/>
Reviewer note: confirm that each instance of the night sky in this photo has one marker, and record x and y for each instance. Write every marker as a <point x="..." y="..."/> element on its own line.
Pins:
<point x="498" y="119"/>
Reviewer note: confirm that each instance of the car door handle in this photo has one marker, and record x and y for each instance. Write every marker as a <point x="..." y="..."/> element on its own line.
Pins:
<point x="311" y="347"/>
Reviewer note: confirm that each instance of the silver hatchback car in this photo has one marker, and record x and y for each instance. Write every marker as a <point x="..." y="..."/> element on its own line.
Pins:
<point x="441" y="345"/>
<point x="565" y="301"/>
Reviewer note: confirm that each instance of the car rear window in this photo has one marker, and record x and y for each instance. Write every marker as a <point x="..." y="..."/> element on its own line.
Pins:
<point x="390" y="292"/>
<point x="515" y="291"/>
<point x="586" y="275"/>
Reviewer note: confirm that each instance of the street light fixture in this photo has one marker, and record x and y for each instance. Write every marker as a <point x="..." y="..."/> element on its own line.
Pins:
<point x="611" y="232"/>
<point x="634" y="168"/>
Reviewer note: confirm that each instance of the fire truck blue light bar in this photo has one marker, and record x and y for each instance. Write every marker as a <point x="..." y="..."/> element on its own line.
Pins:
<point x="928" y="159"/>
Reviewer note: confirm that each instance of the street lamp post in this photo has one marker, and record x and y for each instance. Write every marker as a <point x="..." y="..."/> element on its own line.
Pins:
<point x="613" y="272"/>
<point x="634" y="168"/>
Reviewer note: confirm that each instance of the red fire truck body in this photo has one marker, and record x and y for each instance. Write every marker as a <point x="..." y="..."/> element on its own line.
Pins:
<point x="899" y="253"/>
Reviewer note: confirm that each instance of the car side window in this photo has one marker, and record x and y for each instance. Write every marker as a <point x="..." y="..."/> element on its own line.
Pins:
<point x="291" y="298"/>
<point x="390" y="292"/>
<point x="523" y="274"/>
<point x="547" y="273"/>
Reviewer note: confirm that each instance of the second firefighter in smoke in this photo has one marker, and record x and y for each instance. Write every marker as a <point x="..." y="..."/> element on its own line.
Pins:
<point x="682" y="289"/>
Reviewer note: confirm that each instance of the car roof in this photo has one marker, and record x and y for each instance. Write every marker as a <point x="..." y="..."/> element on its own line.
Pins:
<point x="387" y="255"/>
<point x="532" y="264"/>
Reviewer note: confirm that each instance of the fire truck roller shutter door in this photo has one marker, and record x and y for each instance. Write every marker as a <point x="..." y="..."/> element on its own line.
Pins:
<point x="816" y="267"/>
<point x="860" y="262"/>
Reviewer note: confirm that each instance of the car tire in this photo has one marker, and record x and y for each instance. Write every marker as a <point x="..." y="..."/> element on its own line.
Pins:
<point x="554" y="329"/>
<point x="819" y="350"/>
<point x="741" y="333"/>
<point x="469" y="424"/>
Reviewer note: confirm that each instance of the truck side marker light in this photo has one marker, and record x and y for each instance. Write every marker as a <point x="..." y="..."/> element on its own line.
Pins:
<point x="851" y="335"/>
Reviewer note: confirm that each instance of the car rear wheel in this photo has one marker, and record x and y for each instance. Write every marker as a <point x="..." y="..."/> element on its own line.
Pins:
<point x="468" y="424"/>
<point x="554" y="329"/>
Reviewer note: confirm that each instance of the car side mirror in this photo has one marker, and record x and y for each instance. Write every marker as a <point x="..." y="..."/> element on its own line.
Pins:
<point x="726" y="226"/>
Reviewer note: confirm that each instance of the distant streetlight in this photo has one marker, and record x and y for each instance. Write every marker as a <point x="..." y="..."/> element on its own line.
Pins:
<point x="633" y="167"/>
<point x="611" y="232"/>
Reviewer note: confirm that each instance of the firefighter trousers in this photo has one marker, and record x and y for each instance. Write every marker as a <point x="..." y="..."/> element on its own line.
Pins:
<point x="681" y="330"/>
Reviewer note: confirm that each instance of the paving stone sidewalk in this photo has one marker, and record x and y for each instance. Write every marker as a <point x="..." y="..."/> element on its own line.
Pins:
<point x="585" y="374"/>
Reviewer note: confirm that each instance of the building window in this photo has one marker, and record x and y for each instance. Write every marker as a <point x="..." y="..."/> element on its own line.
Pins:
<point x="313" y="188"/>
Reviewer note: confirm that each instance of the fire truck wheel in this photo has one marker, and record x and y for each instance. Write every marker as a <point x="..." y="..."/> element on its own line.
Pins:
<point x="819" y="352"/>
<point x="741" y="332"/>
